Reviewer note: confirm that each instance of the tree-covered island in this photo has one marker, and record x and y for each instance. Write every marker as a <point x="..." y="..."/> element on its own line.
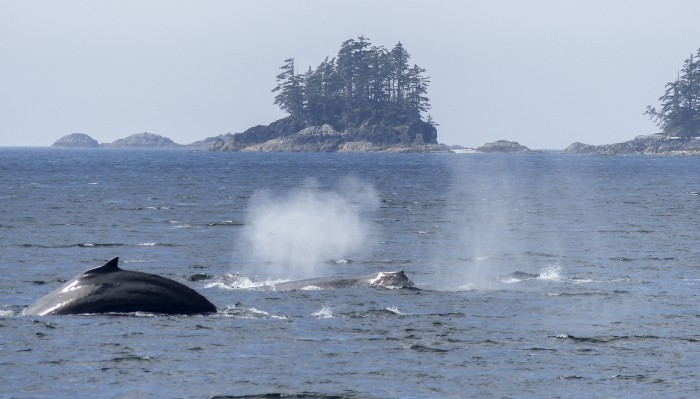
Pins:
<point x="678" y="116"/>
<point x="367" y="98"/>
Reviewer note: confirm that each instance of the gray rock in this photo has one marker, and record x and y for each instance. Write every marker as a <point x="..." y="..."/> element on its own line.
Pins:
<point x="505" y="147"/>
<point x="653" y="144"/>
<point x="144" y="140"/>
<point x="76" y="140"/>
<point x="287" y="135"/>
<point x="209" y="141"/>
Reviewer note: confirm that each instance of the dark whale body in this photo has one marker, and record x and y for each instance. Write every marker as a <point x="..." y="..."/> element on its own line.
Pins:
<point x="108" y="289"/>
<point x="381" y="279"/>
<point x="518" y="275"/>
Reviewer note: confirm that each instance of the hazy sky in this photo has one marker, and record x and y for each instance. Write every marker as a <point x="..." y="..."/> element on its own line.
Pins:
<point x="543" y="73"/>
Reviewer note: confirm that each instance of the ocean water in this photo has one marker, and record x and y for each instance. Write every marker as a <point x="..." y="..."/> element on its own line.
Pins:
<point x="613" y="313"/>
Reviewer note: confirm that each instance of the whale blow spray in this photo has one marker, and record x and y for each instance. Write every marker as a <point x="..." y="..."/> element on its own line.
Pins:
<point x="295" y="233"/>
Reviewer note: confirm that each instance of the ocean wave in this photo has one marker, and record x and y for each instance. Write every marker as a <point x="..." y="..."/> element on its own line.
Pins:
<point x="227" y="223"/>
<point x="80" y="245"/>
<point x="249" y="313"/>
<point x="324" y="313"/>
<point x="394" y="310"/>
<point x="423" y="348"/>
<point x="234" y="281"/>
<point x="606" y="339"/>
<point x="551" y="273"/>
<point x="94" y="245"/>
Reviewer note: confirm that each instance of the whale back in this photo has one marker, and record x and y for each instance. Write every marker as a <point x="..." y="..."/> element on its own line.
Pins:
<point x="111" y="266"/>
<point x="109" y="289"/>
<point x="392" y="280"/>
<point x="381" y="279"/>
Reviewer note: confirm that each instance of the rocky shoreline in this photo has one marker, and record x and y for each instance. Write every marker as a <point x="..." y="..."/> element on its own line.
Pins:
<point x="653" y="144"/>
<point x="276" y="138"/>
<point x="287" y="135"/>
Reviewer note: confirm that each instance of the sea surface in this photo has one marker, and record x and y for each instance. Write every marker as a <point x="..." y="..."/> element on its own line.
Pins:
<point x="613" y="313"/>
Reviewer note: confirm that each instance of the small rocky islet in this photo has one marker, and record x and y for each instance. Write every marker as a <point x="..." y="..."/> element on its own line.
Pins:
<point x="139" y="140"/>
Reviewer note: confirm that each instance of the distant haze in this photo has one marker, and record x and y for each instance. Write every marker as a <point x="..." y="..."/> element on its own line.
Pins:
<point x="544" y="73"/>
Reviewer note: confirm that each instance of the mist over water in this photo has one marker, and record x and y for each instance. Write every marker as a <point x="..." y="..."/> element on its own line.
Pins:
<point x="295" y="234"/>
<point x="497" y="224"/>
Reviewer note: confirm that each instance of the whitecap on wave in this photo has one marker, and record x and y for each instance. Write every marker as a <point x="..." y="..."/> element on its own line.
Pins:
<point x="234" y="281"/>
<point x="324" y="313"/>
<point x="395" y="310"/>
<point x="311" y="288"/>
<point x="552" y="273"/>
<point x="467" y="287"/>
<point x="249" y="313"/>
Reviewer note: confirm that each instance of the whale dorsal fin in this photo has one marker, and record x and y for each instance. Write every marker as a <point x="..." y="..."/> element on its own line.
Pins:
<point x="112" y="265"/>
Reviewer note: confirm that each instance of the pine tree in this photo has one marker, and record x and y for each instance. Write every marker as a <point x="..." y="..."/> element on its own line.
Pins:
<point x="364" y="84"/>
<point x="289" y="85"/>
<point x="679" y="113"/>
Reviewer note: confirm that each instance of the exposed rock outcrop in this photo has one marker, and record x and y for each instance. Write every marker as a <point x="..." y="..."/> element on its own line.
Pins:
<point x="209" y="141"/>
<point x="288" y="135"/>
<point x="76" y="140"/>
<point x="655" y="144"/>
<point x="143" y="140"/>
<point x="506" y="147"/>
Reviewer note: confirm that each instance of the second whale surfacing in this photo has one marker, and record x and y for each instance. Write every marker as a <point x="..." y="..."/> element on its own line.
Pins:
<point x="381" y="279"/>
<point x="519" y="276"/>
<point x="109" y="289"/>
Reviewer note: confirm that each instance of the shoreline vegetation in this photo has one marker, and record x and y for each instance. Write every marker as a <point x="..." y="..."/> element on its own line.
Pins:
<point x="370" y="99"/>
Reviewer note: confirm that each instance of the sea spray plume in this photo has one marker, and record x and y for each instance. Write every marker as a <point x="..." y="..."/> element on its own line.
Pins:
<point x="294" y="233"/>
<point x="477" y="242"/>
<point x="501" y="222"/>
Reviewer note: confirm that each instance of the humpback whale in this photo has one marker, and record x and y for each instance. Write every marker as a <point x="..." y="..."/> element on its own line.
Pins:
<point x="108" y="288"/>
<point x="519" y="276"/>
<point x="381" y="279"/>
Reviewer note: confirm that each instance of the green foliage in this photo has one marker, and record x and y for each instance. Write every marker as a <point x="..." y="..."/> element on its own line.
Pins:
<point x="363" y="85"/>
<point x="679" y="113"/>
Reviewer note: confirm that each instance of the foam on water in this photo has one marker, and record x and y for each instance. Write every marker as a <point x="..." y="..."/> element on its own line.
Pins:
<point x="234" y="281"/>
<point x="324" y="313"/>
<point x="310" y="288"/>
<point x="551" y="273"/>
<point x="395" y="310"/>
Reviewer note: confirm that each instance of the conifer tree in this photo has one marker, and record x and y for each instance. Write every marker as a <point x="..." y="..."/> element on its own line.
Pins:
<point x="679" y="113"/>
<point x="290" y="97"/>
<point x="364" y="84"/>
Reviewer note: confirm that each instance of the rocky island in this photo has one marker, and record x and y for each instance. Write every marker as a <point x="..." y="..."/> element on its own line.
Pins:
<point x="139" y="140"/>
<point x="366" y="99"/>
<point x="505" y="147"/>
<point x="286" y="135"/>
<point x="143" y="140"/>
<point x="76" y="140"/>
<point x="656" y="144"/>
<point x="678" y="116"/>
